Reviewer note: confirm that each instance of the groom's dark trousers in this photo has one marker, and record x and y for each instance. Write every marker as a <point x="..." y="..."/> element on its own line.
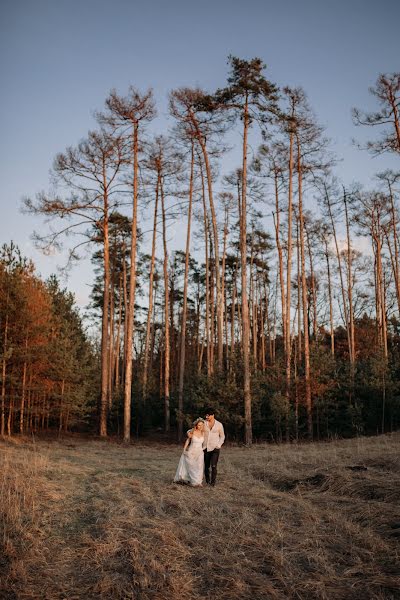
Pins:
<point x="211" y="460"/>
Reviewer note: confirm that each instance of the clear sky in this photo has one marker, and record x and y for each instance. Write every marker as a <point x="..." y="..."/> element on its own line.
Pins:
<point x="59" y="59"/>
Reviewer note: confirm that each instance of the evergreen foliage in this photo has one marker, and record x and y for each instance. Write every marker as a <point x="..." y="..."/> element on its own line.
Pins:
<point x="49" y="377"/>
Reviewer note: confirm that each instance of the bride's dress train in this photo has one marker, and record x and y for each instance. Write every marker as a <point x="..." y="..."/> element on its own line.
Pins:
<point x="191" y="464"/>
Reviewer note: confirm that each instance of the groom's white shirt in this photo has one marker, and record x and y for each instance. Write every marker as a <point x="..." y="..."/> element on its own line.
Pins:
<point x="213" y="438"/>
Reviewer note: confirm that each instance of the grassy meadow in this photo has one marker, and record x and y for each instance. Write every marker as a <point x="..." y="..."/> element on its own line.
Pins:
<point x="95" y="519"/>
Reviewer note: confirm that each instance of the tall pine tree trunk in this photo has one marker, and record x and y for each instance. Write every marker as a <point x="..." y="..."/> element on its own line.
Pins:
<point x="350" y="287"/>
<point x="289" y="269"/>
<point x="105" y="321"/>
<point x="328" y="271"/>
<point x="223" y="286"/>
<point x="130" y="316"/>
<point x="125" y="294"/>
<point x="212" y="307"/>
<point x="23" y="392"/>
<point x="151" y="286"/>
<point x="280" y="258"/>
<point x="118" y="341"/>
<point x="207" y="272"/>
<point x="304" y="296"/>
<point x="166" y="318"/>
<point x="233" y="313"/>
<point x="111" y="345"/>
<point x="220" y="301"/>
<point x="395" y="263"/>
<point x="342" y="288"/>
<point x="313" y="285"/>
<point x="184" y="308"/>
<point x="248" y="435"/>
<point x="299" y="334"/>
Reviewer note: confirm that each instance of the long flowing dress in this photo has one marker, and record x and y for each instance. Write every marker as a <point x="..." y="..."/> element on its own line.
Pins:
<point x="191" y="464"/>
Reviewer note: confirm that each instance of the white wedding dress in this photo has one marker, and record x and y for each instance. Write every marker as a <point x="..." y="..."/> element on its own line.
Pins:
<point x="191" y="464"/>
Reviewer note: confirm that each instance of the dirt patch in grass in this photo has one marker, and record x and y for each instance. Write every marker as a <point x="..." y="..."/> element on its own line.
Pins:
<point x="92" y="519"/>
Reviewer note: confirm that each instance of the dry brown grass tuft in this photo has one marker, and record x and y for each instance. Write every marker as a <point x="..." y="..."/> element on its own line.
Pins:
<point x="91" y="519"/>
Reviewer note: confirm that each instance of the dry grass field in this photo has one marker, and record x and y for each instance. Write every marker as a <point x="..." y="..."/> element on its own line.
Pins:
<point x="94" y="519"/>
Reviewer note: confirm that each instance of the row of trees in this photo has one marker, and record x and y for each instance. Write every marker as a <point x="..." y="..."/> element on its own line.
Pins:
<point x="48" y="366"/>
<point x="290" y="333"/>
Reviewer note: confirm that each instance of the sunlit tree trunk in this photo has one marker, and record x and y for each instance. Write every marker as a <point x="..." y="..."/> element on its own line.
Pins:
<point x="207" y="273"/>
<point x="299" y="334"/>
<point x="313" y="285"/>
<point x="200" y="359"/>
<point x="105" y="321"/>
<point x="23" y="391"/>
<point x="166" y="317"/>
<point x="198" y="324"/>
<point x="328" y="271"/>
<point x="118" y="340"/>
<point x="254" y="305"/>
<point x="395" y="263"/>
<point x="111" y="348"/>
<point x="223" y="284"/>
<point x="381" y="304"/>
<point x="125" y="295"/>
<point x="280" y="258"/>
<point x="233" y="313"/>
<point x="184" y="308"/>
<point x="252" y="302"/>
<point x="220" y="301"/>
<point x="130" y="316"/>
<point x="151" y="293"/>
<point x="296" y="398"/>
<point x="4" y="372"/>
<point x="153" y="326"/>
<point x="212" y="305"/>
<point x="10" y="414"/>
<point x="263" y="320"/>
<point x="342" y="288"/>
<point x="267" y="320"/>
<point x="172" y="329"/>
<point x="349" y="284"/>
<point x="245" y="305"/>
<point x="289" y="268"/>
<point x="304" y="295"/>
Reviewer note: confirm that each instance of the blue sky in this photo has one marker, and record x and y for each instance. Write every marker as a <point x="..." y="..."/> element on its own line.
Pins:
<point x="59" y="59"/>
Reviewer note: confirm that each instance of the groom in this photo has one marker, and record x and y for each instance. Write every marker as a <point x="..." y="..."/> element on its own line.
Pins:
<point x="214" y="437"/>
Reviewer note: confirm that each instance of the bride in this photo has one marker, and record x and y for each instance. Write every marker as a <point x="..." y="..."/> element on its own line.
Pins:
<point x="191" y="464"/>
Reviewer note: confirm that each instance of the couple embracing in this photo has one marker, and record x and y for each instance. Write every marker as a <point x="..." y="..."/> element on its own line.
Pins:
<point x="201" y="451"/>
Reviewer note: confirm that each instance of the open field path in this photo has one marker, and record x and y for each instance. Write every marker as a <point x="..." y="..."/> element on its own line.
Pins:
<point x="94" y="519"/>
